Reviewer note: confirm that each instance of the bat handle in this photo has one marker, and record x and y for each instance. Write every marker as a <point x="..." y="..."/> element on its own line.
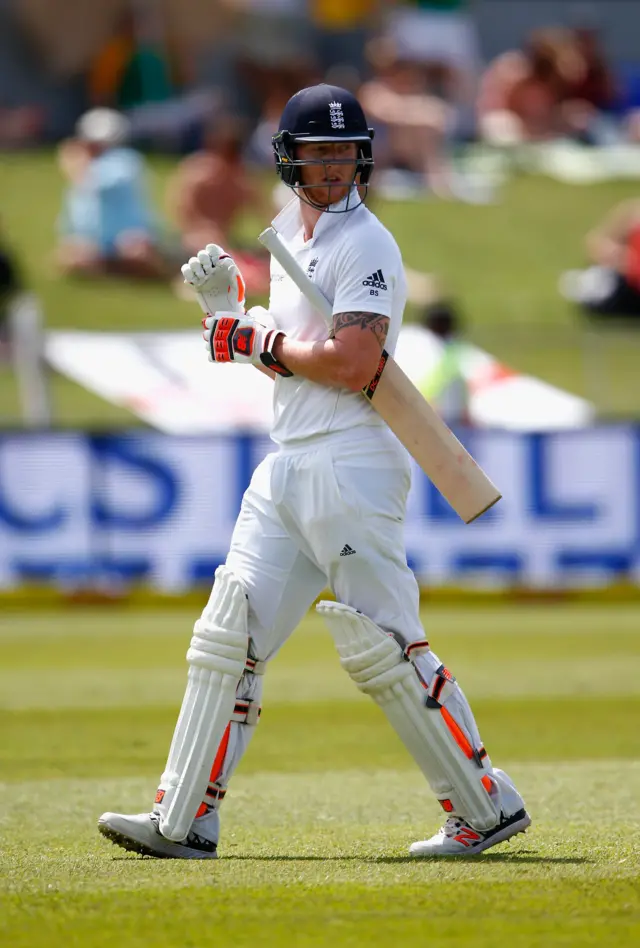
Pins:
<point x="271" y="239"/>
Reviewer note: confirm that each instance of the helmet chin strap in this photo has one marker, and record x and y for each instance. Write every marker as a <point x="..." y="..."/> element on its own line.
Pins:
<point x="308" y="196"/>
<point x="301" y="192"/>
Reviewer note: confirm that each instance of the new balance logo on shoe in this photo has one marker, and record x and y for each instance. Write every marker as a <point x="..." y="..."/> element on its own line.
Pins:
<point x="376" y="280"/>
<point x="347" y="550"/>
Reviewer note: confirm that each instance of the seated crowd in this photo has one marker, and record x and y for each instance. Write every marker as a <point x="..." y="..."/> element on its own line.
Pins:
<point x="415" y="64"/>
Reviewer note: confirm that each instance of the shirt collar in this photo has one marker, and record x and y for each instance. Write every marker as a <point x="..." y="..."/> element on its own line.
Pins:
<point x="289" y="221"/>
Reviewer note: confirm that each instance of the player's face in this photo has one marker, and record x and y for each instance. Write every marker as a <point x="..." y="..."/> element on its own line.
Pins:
<point x="332" y="177"/>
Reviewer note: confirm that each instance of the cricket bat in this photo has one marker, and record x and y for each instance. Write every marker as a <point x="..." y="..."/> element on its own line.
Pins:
<point x="417" y="426"/>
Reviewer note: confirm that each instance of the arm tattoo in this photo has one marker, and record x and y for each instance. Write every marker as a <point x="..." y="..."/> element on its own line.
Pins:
<point x="379" y="325"/>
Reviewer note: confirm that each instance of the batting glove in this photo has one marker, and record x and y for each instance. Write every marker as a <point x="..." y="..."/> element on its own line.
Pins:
<point x="232" y="337"/>
<point x="217" y="280"/>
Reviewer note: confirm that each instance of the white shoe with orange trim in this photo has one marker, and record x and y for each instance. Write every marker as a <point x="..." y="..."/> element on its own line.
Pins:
<point x="140" y="833"/>
<point x="459" y="838"/>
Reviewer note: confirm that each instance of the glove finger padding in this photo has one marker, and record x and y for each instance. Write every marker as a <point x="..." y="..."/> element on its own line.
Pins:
<point x="215" y="252"/>
<point x="193" y="272"/>
<point x="221" y="340"/>
<point x="217" y="280"/>
<point x="236" y="342"/>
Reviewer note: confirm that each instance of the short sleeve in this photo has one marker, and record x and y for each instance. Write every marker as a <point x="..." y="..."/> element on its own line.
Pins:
<point x="368" y="274"/>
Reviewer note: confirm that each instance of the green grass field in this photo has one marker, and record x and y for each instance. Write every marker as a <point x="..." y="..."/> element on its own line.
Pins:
<point x="317" y="823"/>
<point x="501" y="262"/>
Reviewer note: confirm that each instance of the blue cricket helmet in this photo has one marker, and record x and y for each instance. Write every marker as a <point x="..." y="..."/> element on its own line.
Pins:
<point x="322" y="113"/>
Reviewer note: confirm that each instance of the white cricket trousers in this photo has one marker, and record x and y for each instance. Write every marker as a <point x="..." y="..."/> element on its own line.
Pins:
<point x="327" y="513"/>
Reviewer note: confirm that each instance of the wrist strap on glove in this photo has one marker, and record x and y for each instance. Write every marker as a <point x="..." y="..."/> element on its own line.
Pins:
<point x="269" y="360"/>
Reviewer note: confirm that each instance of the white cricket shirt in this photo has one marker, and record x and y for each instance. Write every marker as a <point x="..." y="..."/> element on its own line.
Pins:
<point x="356" y="263"/>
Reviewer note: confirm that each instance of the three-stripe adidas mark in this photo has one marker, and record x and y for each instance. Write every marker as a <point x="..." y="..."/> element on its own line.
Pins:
<point x="376" y="280"/>
<point x="347" y="550"/>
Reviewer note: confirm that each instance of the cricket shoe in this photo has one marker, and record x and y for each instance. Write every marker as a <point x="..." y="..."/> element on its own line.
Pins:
<point x="459" y="838"/>
<point x="140" y="834"/>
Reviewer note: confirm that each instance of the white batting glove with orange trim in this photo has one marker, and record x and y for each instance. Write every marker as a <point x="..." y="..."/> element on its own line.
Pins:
<point x="233" y="337"/>
<point x="216" y="278"/>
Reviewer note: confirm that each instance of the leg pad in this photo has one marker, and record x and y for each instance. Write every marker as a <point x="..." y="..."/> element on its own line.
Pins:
<point x="217" y="657"/>
<point x="439" y="734"/>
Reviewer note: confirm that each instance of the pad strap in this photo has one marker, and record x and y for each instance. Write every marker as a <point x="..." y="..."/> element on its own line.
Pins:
<point x="254" y="666"/>
<point x="441" y="686"/>
<point x="214" y="794"/>
<point x="246" y="712"/>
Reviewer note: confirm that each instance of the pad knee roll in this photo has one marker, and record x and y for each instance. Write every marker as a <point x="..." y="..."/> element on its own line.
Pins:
<point x="220" y="636"/>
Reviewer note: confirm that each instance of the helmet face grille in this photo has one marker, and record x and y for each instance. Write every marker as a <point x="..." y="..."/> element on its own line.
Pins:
<point x="322" y="113"/>
<point x="289" y="169"/>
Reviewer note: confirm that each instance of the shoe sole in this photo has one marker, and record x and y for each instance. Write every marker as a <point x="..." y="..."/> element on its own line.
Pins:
<point x="500" y="836"/>
<point x="133" y="845"/>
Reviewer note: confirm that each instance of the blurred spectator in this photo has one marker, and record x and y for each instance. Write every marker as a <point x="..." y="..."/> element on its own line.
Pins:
<point x="342" y="29"/>
<point x="107" y="223"/>
<point x="526" y="96"/>
<point x="211" y="187"/>
<point x="446" y="386"/>
<point x="273" y="48"/>
<point x="604" y="91"/>
<point x="441" y="36"/>
<point x="207" y="193"/>
<point x="592" y="94"/>
<point x="34" y="104"/>
<point x="611" y="287"/>
<point x="595" y="83"/>
<point x="260" y="151"/>
<point x="135" y="71"/>
<point x="128" y="71"/>
<point x="20" y="125"/>
<point x="10" y="286"/>
<point x="411" y="125"/>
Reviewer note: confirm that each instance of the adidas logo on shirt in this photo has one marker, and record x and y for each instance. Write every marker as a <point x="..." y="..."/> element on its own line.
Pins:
<point x="376" y="280"/>
<point x="347" y="550"/>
